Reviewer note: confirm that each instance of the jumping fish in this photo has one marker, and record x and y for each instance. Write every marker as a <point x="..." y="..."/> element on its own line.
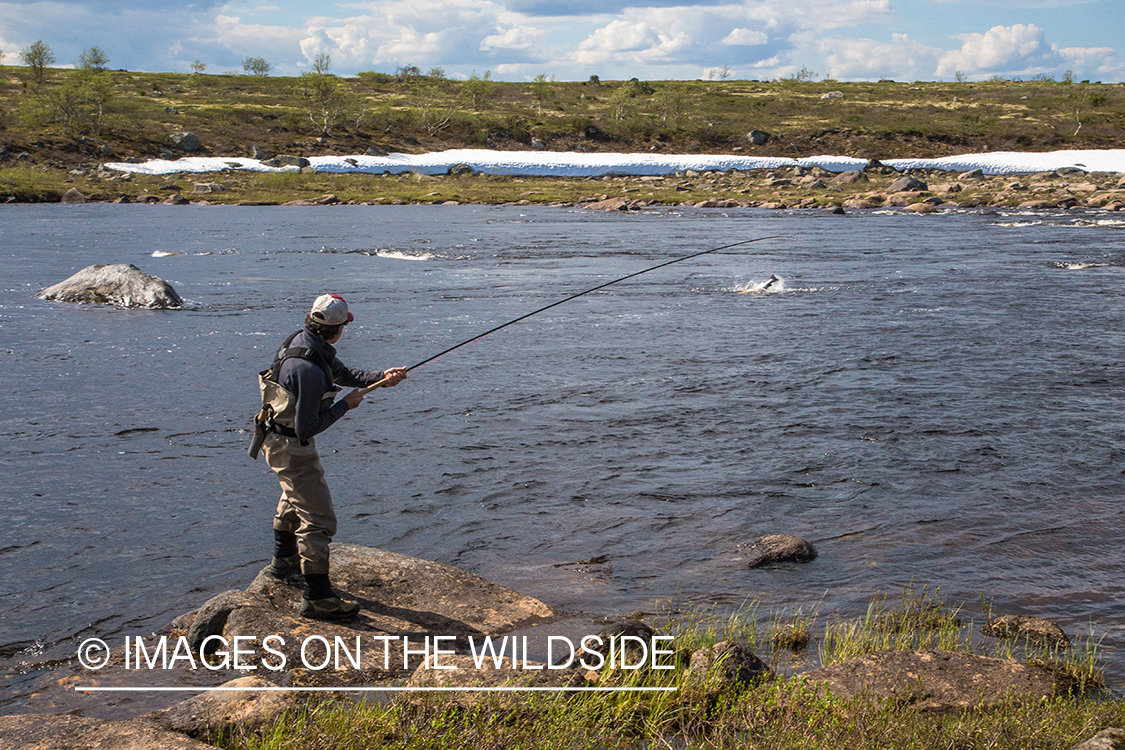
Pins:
<point x="764" y="286"/>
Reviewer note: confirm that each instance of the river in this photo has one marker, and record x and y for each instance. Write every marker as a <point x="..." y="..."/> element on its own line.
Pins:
<point x="925" y="398"/>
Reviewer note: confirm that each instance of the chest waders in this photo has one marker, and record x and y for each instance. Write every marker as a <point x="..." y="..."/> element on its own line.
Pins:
<point x="279" y="404"/>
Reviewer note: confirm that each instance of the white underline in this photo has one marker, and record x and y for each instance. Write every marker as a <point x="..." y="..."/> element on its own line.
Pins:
<point x="94" y="689"/>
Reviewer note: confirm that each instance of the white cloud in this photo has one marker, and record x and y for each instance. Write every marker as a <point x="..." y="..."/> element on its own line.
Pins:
<point x="902" y="58"/>
<point x="1094" y="63"/>
<point x="737" y="36"/>
<point x="745" y="37"/>
<point x="1002" y="49"/>
<point x="1023" y="50"/>
<point x="516" y="37"/>
<point x="620" y="36"/>
<point x="349" y="46"/>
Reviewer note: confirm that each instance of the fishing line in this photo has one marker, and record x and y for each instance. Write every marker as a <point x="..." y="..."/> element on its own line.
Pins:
<point x="502" y="326"/>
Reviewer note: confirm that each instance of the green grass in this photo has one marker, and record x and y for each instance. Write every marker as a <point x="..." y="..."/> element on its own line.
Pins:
<point x="231" y="112"/>
<point x="703" y="713"/>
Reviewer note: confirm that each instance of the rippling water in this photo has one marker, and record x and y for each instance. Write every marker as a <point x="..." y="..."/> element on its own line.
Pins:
<point x="934" y="399"/>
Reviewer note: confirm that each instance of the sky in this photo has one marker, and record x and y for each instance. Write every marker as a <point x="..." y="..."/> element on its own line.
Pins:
<point x="517" y="40"/>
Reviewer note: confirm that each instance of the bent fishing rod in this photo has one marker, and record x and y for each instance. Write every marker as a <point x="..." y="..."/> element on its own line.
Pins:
<point x="491" y="331"/>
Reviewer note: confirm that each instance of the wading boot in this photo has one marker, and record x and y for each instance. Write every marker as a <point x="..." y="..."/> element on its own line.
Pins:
<point x="286" y="564"/>
<point x="320" y="602"/>
<point x="287" y="568"/>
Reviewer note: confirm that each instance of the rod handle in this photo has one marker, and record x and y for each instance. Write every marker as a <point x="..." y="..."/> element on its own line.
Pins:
<point x="373" y="386"/>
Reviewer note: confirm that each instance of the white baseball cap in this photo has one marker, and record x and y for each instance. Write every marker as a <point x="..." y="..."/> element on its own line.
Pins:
<point x="331" y="309"/>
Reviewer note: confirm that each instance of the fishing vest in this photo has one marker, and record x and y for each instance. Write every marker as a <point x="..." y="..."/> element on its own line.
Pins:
<point x="279" y="404"/>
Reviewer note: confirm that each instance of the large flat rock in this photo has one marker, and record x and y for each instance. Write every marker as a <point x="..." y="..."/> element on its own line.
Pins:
<point x="935" y="680"/>
<point x="402" y="598"/>
<point x="33" y="732"/>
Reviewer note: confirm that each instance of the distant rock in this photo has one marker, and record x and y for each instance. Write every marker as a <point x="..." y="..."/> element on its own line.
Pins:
<point x="774" y="548"/>
<point x="921" y="208"/>
<point x="73" y="197"/>
<point x="256" y="152"/>
<point x="935" y="680"/>
<point x="287" y="161"/>
<point x="833" y="95"/>
<point x="1034" y="629"/>
<point x="907" y="184"/>
<point x="187" y="142"/>
<point x="757" y="137"/>
<point x="458" y="170"/>
<point x="122" y="284"/>
<point x="611" y="204"/>
<point x="972" y="174"/>
<point x="538" y="145"/>
<point x="324" y="200"/>
<point x="877" y="167"/>
<point x="206" y="188"/>
<point x="850" y="177"/>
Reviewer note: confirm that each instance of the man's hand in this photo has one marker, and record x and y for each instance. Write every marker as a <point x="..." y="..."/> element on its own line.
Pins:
<point x="354" y="399"/>
<point x="393" y="376"/>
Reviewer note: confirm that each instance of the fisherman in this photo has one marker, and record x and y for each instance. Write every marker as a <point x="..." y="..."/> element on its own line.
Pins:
<point x="299" y="401"/>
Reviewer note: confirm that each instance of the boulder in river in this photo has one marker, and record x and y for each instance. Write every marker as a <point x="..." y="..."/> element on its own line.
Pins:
<point x="774" y="548"/>
<point x="73" y="196"/>
<point x="121" y="284"/>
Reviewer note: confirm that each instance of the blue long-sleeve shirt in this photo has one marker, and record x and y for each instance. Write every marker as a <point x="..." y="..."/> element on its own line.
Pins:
<point x="306" y="380"/>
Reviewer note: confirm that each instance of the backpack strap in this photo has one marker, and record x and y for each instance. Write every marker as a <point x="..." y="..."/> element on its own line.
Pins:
<point x="301" y="352"/>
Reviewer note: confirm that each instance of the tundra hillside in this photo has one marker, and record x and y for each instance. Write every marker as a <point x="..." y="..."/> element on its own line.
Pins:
<point x="58" y="126"/>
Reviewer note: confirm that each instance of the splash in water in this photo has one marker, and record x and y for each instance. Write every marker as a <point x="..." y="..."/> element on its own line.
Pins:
<point x="772" y="285"/>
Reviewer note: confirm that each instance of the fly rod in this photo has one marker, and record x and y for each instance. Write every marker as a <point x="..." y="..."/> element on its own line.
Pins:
<point x="490" y="331"/>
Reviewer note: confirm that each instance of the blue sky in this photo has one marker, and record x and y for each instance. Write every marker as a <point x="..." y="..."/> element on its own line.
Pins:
<point x="650" y="39"/>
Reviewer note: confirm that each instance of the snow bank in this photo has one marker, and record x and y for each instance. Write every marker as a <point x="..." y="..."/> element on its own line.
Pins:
<point x="570" y="164"/>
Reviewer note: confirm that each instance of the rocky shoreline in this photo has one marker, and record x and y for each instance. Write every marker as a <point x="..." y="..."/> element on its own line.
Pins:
<point x="876" y="186"/>
<point x="422" y="627"/>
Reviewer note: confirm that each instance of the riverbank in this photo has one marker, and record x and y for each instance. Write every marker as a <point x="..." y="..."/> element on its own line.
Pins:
<point x="873" y="186"/>
<point x="59" y="132"/>
<point x="434" y="661"/>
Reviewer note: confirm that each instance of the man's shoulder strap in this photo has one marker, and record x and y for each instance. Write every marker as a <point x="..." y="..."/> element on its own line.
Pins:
<point x="301" y="352"/>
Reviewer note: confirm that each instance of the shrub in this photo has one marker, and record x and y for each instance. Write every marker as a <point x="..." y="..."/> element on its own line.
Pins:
<point x="37" y="56"/>
<point x="93" y="59"/>
<point x="257" y="66"/>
